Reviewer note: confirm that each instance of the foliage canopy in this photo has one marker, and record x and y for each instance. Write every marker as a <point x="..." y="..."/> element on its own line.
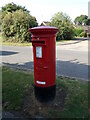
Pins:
<point x="11" y="7"/>
<point x="16" y="21"/>
<point x="82" y="19"/>
<point x="63" y="22"/>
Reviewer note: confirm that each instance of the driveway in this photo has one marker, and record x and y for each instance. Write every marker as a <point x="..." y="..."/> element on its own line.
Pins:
<point x="71" y="58"/>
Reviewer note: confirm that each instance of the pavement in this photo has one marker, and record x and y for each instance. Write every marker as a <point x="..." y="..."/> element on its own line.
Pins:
<point x="76" y="45"/>
<point x="71" y="58"/>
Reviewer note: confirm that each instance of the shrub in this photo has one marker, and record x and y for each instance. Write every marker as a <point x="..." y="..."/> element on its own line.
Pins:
<point x="83" y="34"/>
<point x="15" y="26"/>
<point x="88" y="34"/>
<point x="78" y="31"/>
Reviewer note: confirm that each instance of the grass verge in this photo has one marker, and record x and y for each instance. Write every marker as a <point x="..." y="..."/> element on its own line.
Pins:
<point x="76" y="101"/>
<point x="9" y="43"/>
<point x="17" y="44"/>
<point x="25" y="43"/>
<point x="15" y="83"/>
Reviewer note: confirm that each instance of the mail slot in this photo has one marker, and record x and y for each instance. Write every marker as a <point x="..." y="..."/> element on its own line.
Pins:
<point x="44" y="53"/>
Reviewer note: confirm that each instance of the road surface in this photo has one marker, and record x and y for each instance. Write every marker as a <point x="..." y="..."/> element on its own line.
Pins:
<point x="71" y="58"/>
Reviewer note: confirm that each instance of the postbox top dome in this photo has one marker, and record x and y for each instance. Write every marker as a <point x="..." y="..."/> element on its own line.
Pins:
<point x="43" y="30"/>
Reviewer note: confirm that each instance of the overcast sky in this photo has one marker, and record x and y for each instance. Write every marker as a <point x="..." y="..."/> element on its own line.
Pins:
<point x="43" y="10"/>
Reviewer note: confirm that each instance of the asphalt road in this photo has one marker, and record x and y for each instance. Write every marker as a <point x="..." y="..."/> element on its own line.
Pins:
<point x="71" y="60"/>
<point x="72" y="63"/>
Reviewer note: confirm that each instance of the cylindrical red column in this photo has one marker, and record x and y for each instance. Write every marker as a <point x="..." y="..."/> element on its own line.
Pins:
<point x="44" y="52"/>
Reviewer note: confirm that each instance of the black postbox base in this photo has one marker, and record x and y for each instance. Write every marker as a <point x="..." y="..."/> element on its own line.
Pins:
<point x="45" y="94"/>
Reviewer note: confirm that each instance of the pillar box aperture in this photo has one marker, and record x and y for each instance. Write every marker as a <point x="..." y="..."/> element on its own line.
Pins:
<point x="44" y="53"/>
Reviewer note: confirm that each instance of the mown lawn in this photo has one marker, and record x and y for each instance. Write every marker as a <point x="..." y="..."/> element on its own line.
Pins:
<point x="16" y="83"/>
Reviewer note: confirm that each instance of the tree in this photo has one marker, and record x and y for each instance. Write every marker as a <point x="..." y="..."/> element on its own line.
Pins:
<point x="15" y="24"/>
<point x="82" y="19"/>
<point x="63" y="22"/>
<point x="11" y="7"/>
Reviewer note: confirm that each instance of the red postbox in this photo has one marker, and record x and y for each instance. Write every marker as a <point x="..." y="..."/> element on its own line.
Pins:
<point x="44" y="53"/>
